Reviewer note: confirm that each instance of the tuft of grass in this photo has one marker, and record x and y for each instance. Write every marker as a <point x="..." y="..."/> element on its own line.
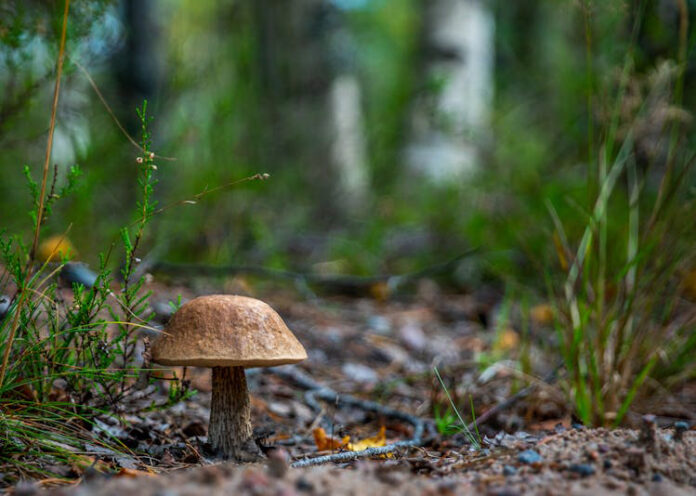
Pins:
<point x="451" y="421"/>
<point x="623" y="312"/>
<point x="63" y="363"/>
<point x="445" y="421"/>
<point x="619" y="321"/>
<point x="36" y="438"/>
<point x="66" y="363"/>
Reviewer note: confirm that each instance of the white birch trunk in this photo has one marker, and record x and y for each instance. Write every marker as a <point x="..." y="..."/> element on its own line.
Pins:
<point x="449" y="123"/>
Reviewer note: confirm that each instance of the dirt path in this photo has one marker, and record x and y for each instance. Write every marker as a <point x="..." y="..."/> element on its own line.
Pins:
<point x="385" y="353"/>
<point x="574" y="462"/>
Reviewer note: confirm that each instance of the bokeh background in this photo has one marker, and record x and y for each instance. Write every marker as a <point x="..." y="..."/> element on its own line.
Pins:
<point x="397" y="133"/>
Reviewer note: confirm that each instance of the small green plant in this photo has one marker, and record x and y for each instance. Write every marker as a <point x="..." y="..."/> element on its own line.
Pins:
<point x="56" y="369"/>
<point x="451" y="422"/>
<point x="445" y="421"/>
<point x="65" y="362"/>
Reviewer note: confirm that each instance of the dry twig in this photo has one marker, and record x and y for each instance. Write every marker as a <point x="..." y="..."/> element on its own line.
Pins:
<point x="317" y="390"/>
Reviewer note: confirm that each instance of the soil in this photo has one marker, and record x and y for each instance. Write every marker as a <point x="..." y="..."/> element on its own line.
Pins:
<point x="575" y="462"/>
<point x="385" y="352"/>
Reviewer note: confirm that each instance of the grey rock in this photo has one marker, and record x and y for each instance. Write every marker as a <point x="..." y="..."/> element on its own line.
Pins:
<point x="529" y="457"/>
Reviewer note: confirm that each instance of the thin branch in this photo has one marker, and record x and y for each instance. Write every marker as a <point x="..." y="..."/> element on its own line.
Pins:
<point x="193" y="199"/>
<point x="111" y="112"/>
<point x="337" y="284"/>
<point x="507" y="403"/>
<point x="51" y="129"/>
<point x="346" y="456"/>
<point x="327" y="394"/>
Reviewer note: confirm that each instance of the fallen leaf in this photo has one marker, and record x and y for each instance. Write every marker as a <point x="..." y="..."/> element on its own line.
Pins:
<point x="56" y="248"/>
<point x="542" y="314"/>
<point x="328" y="443"/>
<point x="380" y="291"/>
<point x="132" y="473"/>
<point x="82" y="462"/>
<point x="550" y="424"/>
<point x="370" y="442"/>
<point x="56" y="481"/>
<point x="507" y="340"/>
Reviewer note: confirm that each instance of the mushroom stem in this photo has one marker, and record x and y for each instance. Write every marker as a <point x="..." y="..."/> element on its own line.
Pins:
<point x="230" y="432"/>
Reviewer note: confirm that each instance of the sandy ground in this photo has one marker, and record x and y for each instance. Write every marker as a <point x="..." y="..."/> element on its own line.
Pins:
<point x="574" y="462"/>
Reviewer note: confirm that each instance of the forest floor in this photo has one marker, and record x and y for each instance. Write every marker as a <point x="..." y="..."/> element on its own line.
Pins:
<point x="366" y="350"/>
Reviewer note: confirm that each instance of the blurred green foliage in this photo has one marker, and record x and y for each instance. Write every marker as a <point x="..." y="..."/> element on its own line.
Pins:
<point x="554" y="92"/>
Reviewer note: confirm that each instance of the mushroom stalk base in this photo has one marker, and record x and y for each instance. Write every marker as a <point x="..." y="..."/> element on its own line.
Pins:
<point x="230" y="432"/>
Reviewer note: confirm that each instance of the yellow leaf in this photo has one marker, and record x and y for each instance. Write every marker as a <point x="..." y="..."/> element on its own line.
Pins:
<point x="380" y="291"/>
<point x="328" y="443"/>
<point x="82" y="462"/>
<point x="56" y="481"/>
<point x="542" y="314"/>
<point x="507" y="340"/>
<point x="132" y="473"/>
<point x="56" y="248"/>
<point x="371" y="442"/>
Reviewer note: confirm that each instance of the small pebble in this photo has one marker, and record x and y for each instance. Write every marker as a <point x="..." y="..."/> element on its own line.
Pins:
<point x="657" y="478"/>
<point x="582" y="469"/>
<point x="254" y="482"/>
<point x="165" y="492"/>
<point x="649" y="434"/>
<point x="607" y="464"/>
<point x="528" y="457"/>
<point x="304" y="485"/>
<point x="509" y="470"/>
<point x="91" y="474"/>
<point x="413" y="336"/>
<point x="25" y="488"/>
<point x="379" y="324"/>
<point x="576" y="425"/>
<point x="4" y="305"/>
<point x="506" y="491"/>
<point x="679" y="429"/>
<point x="360" y="373"/>
<point x="277" y="463"/>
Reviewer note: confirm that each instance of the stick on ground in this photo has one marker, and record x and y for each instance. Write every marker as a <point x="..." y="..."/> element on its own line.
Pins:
<point x="317" y="390"/>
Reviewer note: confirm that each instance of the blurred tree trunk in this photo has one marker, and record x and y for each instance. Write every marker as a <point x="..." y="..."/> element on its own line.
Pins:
<point x="313" y="101"/>
<point x="136" y="64"/>
<point x="450" y="116"/>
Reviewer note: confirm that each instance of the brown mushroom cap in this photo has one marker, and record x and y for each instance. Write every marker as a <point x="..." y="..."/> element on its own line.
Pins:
<point x="227" y="331"/>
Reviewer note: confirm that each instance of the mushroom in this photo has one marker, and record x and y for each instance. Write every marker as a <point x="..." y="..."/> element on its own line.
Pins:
<point x="228" y="334"/>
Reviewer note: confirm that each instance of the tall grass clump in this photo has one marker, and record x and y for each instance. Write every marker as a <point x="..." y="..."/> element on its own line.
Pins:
<point x="68" y="354"/>
<point x="626" y="298"/>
